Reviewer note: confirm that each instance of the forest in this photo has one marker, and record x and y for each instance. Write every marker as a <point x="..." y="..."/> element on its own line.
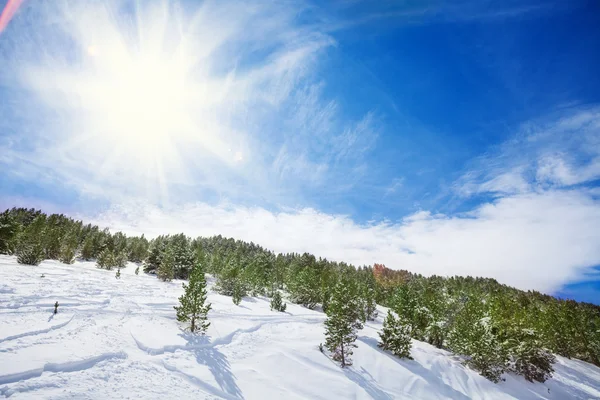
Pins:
<point x="494" y="328"/>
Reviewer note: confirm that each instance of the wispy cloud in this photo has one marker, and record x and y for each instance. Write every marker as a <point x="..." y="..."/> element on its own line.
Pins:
<point x="254" y="113"/>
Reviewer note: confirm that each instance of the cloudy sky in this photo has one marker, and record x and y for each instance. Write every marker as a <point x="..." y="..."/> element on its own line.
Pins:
<point x="439" y="137"/>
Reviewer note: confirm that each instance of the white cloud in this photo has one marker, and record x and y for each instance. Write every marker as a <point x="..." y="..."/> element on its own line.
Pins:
<point x="214" y="96"/>
<point x="531" y="241"/>
<point x="558" y="152"/>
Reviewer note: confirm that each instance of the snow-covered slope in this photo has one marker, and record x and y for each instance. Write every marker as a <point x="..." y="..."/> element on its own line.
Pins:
<point x="119" y="339"/>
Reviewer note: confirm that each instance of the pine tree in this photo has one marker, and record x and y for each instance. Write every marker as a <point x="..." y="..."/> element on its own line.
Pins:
<point x="472" y="335"/>
<point x="277" y="303"/>
<point x="68" y="249"/>
<point x="237" y="294"/>
<point x="137" y="270"/>
<point x="30" y="255"/>
<point x="87" y="251"/>
<point x="121" y="259"/>
<point x="193" y="306"/>
<point x="166" y="269"/>
<point x="105" y="260"/>
<point x="343" y="322"/>
<point x="529" y="358"/>
<point x="9" y="228"/>
<point x="395" y="337"/>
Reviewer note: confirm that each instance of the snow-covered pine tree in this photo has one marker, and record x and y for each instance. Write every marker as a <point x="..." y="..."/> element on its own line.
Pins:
<point x="473" y="336"/>
<point x="87" y="250"/>
<point x="395" y="336"/>
<point x="529" y="358"/>
<point x="343" y="321"/>
<point x="121" y="259"/>
<point x="277" y="303"/>
<point x="8" y="232"/>
<point x="166" y="269"/>
<point x="192" y="304"/>
<point x="30" y="254"/>
<point x="105" y="259"/>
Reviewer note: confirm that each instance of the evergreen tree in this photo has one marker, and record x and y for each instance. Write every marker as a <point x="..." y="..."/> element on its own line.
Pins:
<point x="277" y="303"/>
<point x="9" y="228"/>
<point x="472" y="336"/>
<point x="343" y="322"/>
<point x="229" y="279"/>
<point x="87" y="250"/>
<point x="237" y="294"/>
<point x="395" y="337"/>
<point x="67" y="254"/>
<point x="155" y="253"/>
<point x="193" y="306"/>
<point x="121" y="259"/>
<point x="105" y="260"/>
<point x="137" y="270"/>
<point x="530" y="359"/>
<point x="183" y="254"/>
<point x="166" y="269"/>
<point x="29" y="255"/>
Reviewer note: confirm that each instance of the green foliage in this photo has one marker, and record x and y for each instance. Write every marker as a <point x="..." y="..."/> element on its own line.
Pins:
<point x="120" y="259"/>
<point x="105" y="260"/>
<point x="395" y="336"/>
<point x="9" y="228"/>
<point x="237" y="294"/>
<point x="304" y="283"/>
<point x="343" y="322"/>
<point x="87" y="250"/>
<point x="277" y="303"/>
<point x="472" y="336"/>
<point x="166" y="268"/>
<point x="29" y="255"/>
<point x="192" y="304"/>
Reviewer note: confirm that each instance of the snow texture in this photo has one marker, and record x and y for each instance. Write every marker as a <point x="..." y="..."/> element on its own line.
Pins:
<point x="119" y="339"/>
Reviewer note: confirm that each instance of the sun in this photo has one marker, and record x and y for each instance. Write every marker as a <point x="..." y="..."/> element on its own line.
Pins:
<point x="139" y="100"/>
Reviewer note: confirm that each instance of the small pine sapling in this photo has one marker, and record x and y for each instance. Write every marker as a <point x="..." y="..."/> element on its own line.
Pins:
<point x="193" y="307"/>
<point x="277" y="303"/>
<point x="137" y="270"/>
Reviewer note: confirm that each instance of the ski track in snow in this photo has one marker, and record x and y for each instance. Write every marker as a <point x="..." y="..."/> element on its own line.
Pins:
<point x="69" y="366"/>
<point x="38" y="332"/>
<point x="120" y="339"/>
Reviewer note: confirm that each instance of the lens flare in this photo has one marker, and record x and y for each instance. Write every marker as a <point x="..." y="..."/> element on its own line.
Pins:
<point x="8" y="13"/>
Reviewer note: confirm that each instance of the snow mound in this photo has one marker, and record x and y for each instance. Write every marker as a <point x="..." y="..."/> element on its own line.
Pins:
<point x="118" y="338"/>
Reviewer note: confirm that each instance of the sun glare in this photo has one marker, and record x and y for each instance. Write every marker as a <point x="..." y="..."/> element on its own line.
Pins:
<point x="145" y="101"/>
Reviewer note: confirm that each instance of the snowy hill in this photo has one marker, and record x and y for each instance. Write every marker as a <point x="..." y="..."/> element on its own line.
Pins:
<point x="119" y="339"/>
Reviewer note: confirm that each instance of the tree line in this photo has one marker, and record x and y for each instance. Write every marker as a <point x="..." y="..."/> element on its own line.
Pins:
<point x="493" y="327"/>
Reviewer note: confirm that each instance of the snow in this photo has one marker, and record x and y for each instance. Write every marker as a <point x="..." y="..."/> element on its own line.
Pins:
<point x="120" y="339"/>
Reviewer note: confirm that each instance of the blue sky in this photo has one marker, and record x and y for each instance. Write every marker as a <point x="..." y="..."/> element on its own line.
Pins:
<point x="439" y="137"/>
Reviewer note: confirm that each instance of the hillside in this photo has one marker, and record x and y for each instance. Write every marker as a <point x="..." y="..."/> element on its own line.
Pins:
<point x="119" y="339"/>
